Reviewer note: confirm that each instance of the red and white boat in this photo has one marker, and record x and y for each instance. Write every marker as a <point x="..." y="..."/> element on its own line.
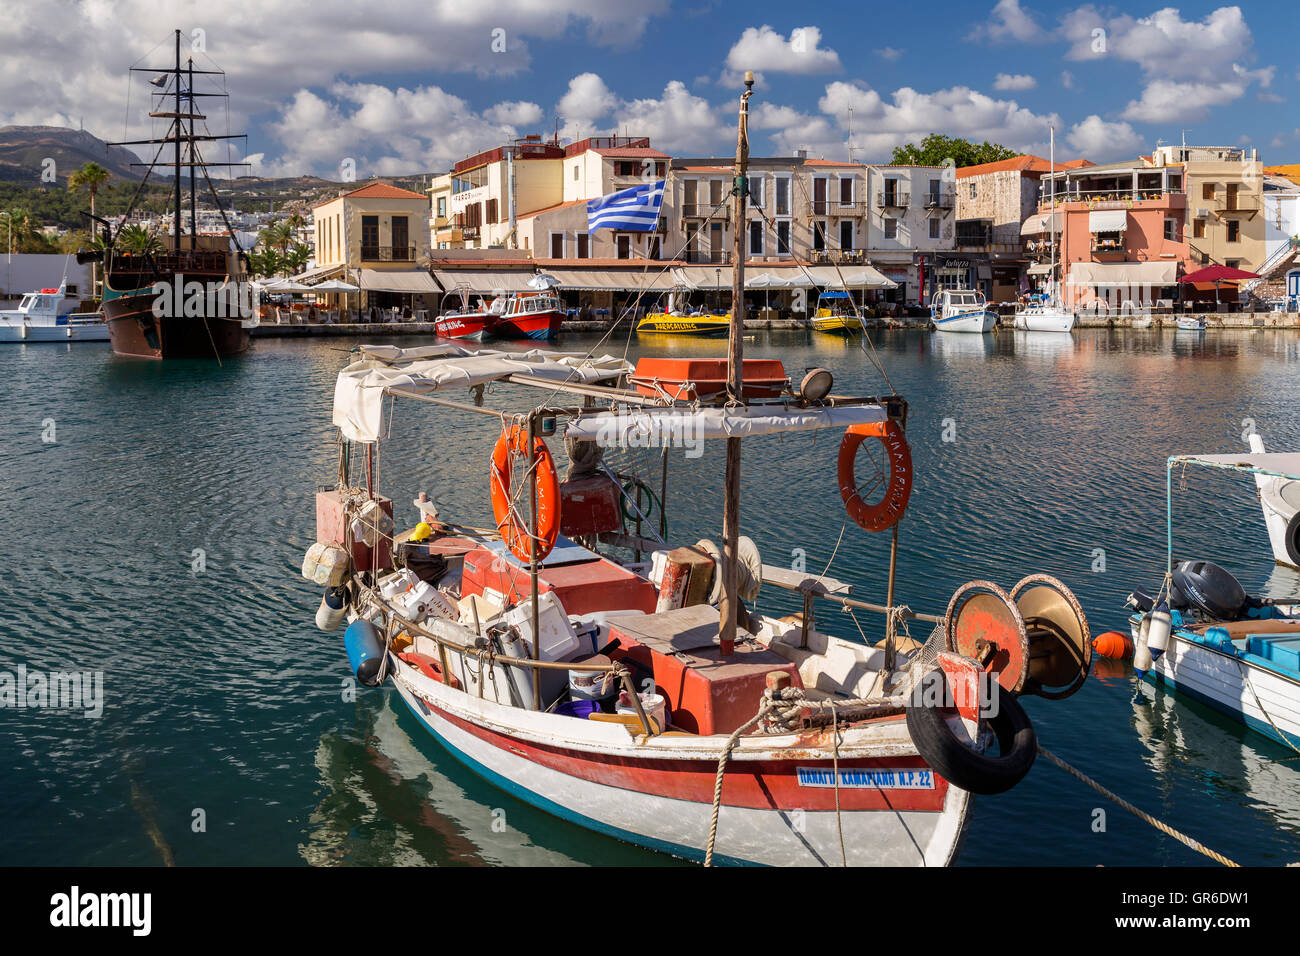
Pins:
<point x="832" y="750"/>
<point x="510" y="315"/>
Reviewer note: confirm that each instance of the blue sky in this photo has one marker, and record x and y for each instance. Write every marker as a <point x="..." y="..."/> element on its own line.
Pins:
<point x="412" y="86"/>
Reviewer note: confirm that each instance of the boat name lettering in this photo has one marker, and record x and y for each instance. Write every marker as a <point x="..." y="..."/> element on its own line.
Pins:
<point x="919" y="778"/>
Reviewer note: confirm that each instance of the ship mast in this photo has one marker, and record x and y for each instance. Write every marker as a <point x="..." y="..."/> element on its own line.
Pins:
<point x="177" y="132"/>
<point x="729" y="604"/>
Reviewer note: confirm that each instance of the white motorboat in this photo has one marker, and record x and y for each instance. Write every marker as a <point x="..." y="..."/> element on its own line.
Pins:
<point x="1279" y="499"/>
<point x="1189" y="323"/>
<point x="1141" y="322"/>
<point x="962" y="310"/>
<point x="37" y="319"/>
<point x="1044" y="313"/>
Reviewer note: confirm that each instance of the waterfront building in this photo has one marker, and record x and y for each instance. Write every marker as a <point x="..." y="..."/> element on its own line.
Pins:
<point x="1225" y="205"/>
<point x="374" y="236"/>
<point x="910" y="218"/>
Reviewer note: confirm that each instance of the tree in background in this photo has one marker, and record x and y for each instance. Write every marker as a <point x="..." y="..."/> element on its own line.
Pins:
<point x="296" y="258"/>
<point x="89" y="177"/>
<point x="936" y="149"/>
<point x="264" y="261"/>
<point x="20" y="233"/>
<point x="137" y="240"/>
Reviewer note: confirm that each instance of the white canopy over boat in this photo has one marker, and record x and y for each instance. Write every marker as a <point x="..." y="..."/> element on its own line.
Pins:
<point x="645" y="426"/>
<point x="359" y="391"/>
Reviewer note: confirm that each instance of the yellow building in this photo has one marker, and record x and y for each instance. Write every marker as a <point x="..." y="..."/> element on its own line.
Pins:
<point x="1225" y="203"/>
<point x="376" y="237"/>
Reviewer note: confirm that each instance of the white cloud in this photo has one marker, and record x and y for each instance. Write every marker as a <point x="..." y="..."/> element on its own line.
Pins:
<point x="1100" y="141"/>
<point x="1067" y="79"/>
<point x="1014" y="81"/>
<point x="1269" y="98"/>
<point x="1279" y="142"/>
<point x="517" y="113"/>
<point x="678" y="121"/>
<point x="1167" y="101"/>
<point x="586" y="101"/>
<point x="888" y="53"/>
<point x="1009" y="21"/>
<point x="762" y="49"/>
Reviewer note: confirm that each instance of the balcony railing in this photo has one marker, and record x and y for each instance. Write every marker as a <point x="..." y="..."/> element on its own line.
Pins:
<point x="943" y="199"/>
<point x="698" y="210"/>
<point x="833" y="207"/>
<point x="893" y="200"/>
<point x="719" y="257"/>
<point x="1106" y="246"/>
<point x="1239" y="204"/>
<point x="1109" y="195"/>
<point x="842" y="256"/>
<point x="389" y="253"/>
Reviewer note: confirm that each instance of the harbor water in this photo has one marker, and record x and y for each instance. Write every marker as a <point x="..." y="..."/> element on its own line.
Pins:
<point x="155" y="517"/>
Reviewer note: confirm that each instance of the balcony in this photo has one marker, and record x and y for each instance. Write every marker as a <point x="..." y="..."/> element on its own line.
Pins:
<point x="696" y="210"/>
<point x="1099" y="198"/>
<point x="943" y="199"/>
<point x="833" y="207"/>
<point x="893" y="200"/>
<point x="1238" y="204"/>
<point x="1107" y="244"/>
<point x="719" y="257"/>
<point x="848" y="257"/>
<point x="389" y="253"/>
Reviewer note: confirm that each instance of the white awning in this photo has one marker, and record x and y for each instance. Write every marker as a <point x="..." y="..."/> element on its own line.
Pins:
<point x="484" y="281"/>
<point x="852" y="277"/>
<point x="661" y="426"/>
<point x="312" y="276"/>
<point x="372" y="280"/>
<point x="1039" y="223"/>
<point x="1108" y="220"/>
<point x="359" y="390"/>
<point x="1282" y="464"/>
<point x="1039" y="269"/>
<point x="655" y="279"/>
<point x="1149" y="274"/>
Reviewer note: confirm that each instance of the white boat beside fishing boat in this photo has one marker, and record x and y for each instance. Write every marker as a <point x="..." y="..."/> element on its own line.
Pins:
<point x="37" y="319"/>
<point x="1141" y="322"/>
<point x="1279" y="499"/>
<point x="1189" y="323"/>
<point x="962" y="310"/>
<point x="1205" y="637"/>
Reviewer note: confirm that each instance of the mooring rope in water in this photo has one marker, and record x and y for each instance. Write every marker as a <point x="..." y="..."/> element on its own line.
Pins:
<point x="1140" y="814"/>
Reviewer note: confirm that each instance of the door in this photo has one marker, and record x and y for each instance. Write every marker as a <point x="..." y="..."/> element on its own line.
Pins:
<point x="819" y="197"/>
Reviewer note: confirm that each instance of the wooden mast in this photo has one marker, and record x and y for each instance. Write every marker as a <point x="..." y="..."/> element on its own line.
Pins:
<point x="176" y="217"/>
<point x="729" y="606"/>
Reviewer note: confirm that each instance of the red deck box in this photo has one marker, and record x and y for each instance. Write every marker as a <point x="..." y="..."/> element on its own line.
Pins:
<point x="583" y="587"/>
<point x="331" y="528"/>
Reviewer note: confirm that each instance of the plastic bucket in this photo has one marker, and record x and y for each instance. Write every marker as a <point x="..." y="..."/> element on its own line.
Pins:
<point x="577" y="708"/>
<point x="654" y="705"/>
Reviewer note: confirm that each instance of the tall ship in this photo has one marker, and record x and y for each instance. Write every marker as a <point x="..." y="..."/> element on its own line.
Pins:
<point x="190" y="298"/>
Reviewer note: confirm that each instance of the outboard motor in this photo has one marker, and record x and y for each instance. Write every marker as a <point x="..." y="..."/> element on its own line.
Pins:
<point x="1205" y="587"/>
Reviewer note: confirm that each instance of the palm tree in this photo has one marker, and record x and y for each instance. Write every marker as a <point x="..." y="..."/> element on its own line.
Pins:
<point x="21" y="234"/>
<point x="137" y="240"/>
<point x="296" y="259"/>
<point x="89" y="177"/>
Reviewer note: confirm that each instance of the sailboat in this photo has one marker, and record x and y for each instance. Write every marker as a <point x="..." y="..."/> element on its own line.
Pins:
<point x="578" y="658"/>
<point x="1045" y="313"/>
<point x="192" y="299"/>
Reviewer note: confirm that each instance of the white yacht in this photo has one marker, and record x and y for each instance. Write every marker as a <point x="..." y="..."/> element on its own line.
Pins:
<point x="1044" y="313"/>
<point x="961" y="310"/>
<point x="37" y="319"/>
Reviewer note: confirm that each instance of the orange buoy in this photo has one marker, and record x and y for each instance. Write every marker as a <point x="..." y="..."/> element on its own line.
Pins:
<point x="511" y="515"/>
<point x="889" y="510"/>
<point x="1113" y="644"/>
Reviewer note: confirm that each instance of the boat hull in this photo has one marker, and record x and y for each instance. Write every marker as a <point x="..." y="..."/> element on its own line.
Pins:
<point x="838" y="324"/>
<point x="474" y="328"/>
<point x="661" y="323"/>
<point x="770" y="814"/>
<point x="135" y="331"/>
<point x="535" y="325"/>
<point x="53" y="333"/>
<point x="1045" y="320"/>
<point x="1219" y="680"/>
<point x="976" y="322"/>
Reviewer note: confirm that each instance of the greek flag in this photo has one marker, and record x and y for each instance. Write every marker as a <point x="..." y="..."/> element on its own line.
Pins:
<point x="634" y="210"/>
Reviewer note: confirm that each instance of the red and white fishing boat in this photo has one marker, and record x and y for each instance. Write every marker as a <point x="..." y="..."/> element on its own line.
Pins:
<point x="650" y="699"/>
<point x="510" y="315"/>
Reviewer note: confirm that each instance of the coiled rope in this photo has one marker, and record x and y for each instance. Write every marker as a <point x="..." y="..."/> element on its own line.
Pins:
<point x="1140" y="814"/>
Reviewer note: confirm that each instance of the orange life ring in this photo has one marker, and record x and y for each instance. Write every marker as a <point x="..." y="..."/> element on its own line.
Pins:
<point x="889" y="510"/>
<point x="512" y="521"/>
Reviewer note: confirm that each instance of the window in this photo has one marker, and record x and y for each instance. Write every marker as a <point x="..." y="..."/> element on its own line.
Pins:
<point x="715" y="193"/>
<point x="652" y="247"/>
<point x="891" y="192"/>
<point x="1198" y="229"/>
<point x="846" y="190"/>
<point x="492" y="212"/>
<point x="369" y="237"/>
<point x="756" y="191"/>
<point x="1234" y="230"/>
<point x="1230" y="263"/>
<point x="582" y="246"/>
<point x="783" y="235"/>
<point x="575" y="172"/>
<point x="442" y="207"/>
<point x="402" y="239"/>
<point x="934" y="228"/>
<point x="846" y="235"/>
<point x="756" y="238"/>
<point x="782" y="184"/>
<point x="1207" y="191"/>
<point x="819" y="235"/>
<point x="972" y="189"/>
<point x="1171" y="230"/>
<point x="934" y="196"/>
<point x="624" y="244"/>
<point x="557" y="245"/>
<point x="891" y="228"/>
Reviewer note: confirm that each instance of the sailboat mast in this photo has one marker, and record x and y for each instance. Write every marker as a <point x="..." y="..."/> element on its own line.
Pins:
<point x="176" y="216"/>
<point x="728" y="606"/>
<point x="194" y="232"/>
<point x="1052" y="207"/>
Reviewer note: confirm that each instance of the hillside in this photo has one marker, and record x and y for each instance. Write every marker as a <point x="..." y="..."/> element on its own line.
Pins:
<point x="23" y="150"/>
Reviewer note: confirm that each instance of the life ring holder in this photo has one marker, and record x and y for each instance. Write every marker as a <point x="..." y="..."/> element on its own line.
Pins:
<point x="889" y="510"/>
<point x="510" y="519"/>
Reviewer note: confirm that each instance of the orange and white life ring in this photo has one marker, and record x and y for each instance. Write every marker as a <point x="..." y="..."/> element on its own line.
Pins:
<point x="511" y="515"/>
<point x="889" y="510"/>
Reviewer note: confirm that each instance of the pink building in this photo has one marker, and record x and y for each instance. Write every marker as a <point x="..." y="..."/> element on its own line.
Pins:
<point x="1120" y="231"/>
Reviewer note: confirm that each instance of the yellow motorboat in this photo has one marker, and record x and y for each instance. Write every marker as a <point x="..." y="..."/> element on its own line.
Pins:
<point x="672" y="323"/>
<point x="835" y="315"/>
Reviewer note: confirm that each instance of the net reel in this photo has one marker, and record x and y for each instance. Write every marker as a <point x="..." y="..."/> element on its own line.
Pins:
<point x="1035" y="638"/>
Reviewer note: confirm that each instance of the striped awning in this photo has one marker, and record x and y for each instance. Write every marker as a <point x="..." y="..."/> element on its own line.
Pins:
<point x="1108" y="220"/>
<point x="1039" y="223"/>
<point x="484" y="281"/>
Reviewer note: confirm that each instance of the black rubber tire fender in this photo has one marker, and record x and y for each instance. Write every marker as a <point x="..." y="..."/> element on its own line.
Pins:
<point x="984" y="774"/>
<point x="1293" y="539"/>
